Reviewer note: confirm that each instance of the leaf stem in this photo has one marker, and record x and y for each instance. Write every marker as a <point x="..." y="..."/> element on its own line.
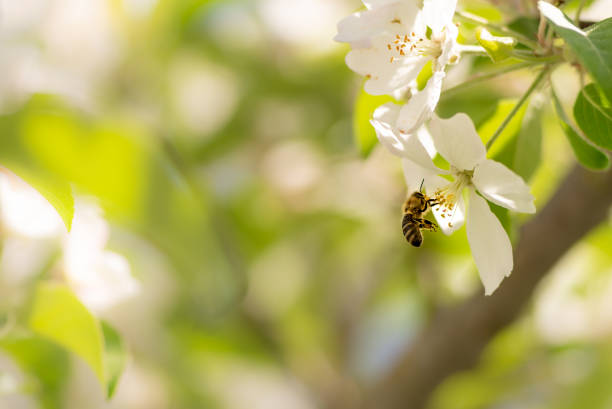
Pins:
<point x="518" y="106"/>
<point x="525" y="55"/>
<point x="565" y="118"/>
<point x="475" y="79"/>
<point x="474" y="19"/>
<point x="578" y="12"/>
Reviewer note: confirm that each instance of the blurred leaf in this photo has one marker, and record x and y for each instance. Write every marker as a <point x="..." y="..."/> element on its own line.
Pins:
<point x="45" y="365"/>
<point x="103" y="158"/>
<point x="594" y="115"/>
<point x="494" y="378"/>
<point x="528" y="26"/>
<point x="365" y="136"/>
<point x="124" y="166"/>
<point x="59" y="316"/>
<point x="507" y="137"/>
<point x="115" y="356"/>
<point x="592" y="47"/>
<point x="16" y="157"/>
<point x="479" y="102"/>
<point x="589" y="156"/>
<point x="498" y="48"/>
<point x="592" y="390"/>
<point x="528" y="151"/>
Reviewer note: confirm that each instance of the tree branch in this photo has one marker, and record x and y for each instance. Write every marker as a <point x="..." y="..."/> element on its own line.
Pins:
<point x="454" y="340"/>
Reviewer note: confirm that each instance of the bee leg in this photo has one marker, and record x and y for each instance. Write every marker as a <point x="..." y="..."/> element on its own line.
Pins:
<point x="432" y="202"/>
<point x="427" y="225"/>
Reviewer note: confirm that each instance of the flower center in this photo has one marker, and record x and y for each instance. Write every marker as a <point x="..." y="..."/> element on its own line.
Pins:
<point x="446" y="198"/>
<point x="411" y="45"/>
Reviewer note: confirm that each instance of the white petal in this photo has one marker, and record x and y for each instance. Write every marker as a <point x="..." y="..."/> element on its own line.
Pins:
<point x="457" y="141"/>
<point x="502" y="186"/>
<point x="416" y="175"/>
<point x="404" y="145"/>
<point x="383" y="121"/>
<point x="360" y="28"/>
<point x="427" y="141"/>
<point x="489" y="244"/>
<point x="422" y="105"/>
<point x="439" y="13"/>
<point x="448" y="224"/>
<point x="386" y="16"/>
<point x="384" y="76"/>
<point x="373" y="4"/>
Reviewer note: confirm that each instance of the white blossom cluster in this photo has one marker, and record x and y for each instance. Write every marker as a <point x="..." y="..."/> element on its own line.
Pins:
<point x="392" y="41"/>
<point x="100" y="278"/>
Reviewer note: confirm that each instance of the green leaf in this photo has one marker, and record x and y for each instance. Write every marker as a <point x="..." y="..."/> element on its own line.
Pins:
<point x="527" y="26"/>
<point x="592" y="47"/>
<point x="528" y="151"/>
<point x="594" y="116"/>
<point x="589" y="156"/>
<point x="59" y="316"/>
<point x="45" y="365"/>
<point x="365" y="136"/>
<point x="16" y="157"/>
<point x="498" y="48"/>
<point x="115" y="357"/>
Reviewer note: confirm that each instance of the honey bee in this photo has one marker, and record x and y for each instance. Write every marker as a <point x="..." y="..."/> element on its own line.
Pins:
<point x="415" y="207"/>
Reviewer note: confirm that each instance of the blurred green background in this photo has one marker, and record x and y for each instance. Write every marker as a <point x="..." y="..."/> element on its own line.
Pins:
<point x="219" y="141"/>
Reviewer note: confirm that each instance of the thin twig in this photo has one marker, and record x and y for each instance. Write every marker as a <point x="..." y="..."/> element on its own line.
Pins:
<point x="478" y="78"/>
<point x="578" y="12"/>
<point x="518" y="106"/>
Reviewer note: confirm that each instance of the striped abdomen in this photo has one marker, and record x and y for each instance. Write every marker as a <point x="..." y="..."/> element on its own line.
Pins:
<point x="410" y="227"/>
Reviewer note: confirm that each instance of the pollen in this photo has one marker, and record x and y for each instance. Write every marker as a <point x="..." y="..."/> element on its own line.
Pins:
<point x="446" y="198"/>
<point x="411" y="45"/>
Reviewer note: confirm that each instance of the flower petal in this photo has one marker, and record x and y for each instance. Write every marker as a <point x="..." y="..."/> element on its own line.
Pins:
<point x="406" y="146"/>
<point x="383" y="121"/>
<point x="427" y="142"/>
<point x="502" y="186"/>
<point x="373" y="4"/>
<point x="360" y="28"/>
<point x="422" y="105"/>
<point x="384" y="76"/>
<point x="457" y="141"/>
<point x="416" y="174"/>
<point x="439" y="13"/>
<point x="489" y="243"/>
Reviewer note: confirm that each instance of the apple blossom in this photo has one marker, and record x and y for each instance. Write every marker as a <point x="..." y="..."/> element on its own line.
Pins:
<point x="99" y="277"/>
<point x="457" y="141"/>
<point x="393" y="40"/>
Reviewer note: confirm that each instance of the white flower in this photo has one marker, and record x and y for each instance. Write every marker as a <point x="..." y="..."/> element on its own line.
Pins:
<point x="457" y="141"/>
<point x="99" y="277"/>
<point x="393" y="40"/>
<point x="24" y="212"/>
